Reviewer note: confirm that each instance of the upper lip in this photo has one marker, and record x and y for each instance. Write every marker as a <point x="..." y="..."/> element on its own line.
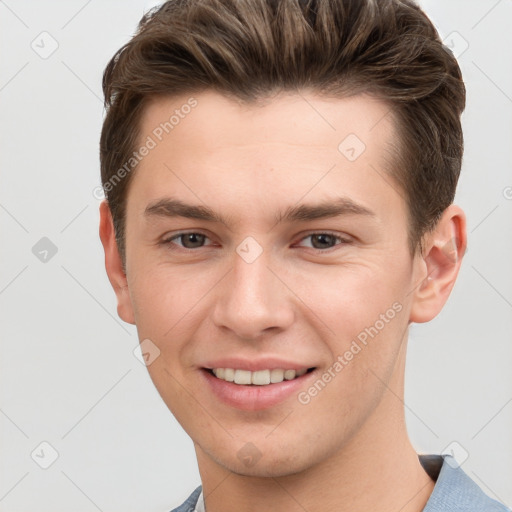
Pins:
<point x="254" y="365"/>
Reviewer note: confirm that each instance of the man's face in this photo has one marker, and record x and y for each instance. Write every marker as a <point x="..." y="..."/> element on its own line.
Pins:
<point x="304" y="291"/>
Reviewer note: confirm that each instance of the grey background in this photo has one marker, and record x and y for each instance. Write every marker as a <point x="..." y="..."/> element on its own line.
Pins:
<point x="68" y="373"/>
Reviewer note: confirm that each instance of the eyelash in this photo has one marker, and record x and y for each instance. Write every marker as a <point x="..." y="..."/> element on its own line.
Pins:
<point x="169" y="241"/>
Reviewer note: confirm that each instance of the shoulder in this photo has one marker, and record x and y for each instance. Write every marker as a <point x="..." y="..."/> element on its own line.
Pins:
<point x="189" y="504"/>
<point x="455" y="491"/>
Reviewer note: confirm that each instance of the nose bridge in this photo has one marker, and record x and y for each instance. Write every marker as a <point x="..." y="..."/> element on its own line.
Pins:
<point x="252" y="299"/>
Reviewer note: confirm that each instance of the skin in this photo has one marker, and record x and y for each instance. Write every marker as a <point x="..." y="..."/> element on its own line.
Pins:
<point x="303" y="298"/>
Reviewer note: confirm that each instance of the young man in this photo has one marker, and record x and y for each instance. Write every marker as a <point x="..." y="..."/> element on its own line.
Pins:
<point x="279" y="179"/>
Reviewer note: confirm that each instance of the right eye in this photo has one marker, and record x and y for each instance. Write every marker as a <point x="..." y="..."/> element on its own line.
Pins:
<point x="189" y="241"/>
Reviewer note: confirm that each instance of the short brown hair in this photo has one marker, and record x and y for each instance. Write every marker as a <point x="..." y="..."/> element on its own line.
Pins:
<point x="251" y="49"/>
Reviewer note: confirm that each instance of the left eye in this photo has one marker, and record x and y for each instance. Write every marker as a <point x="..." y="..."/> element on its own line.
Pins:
<point x="323" y="239"/>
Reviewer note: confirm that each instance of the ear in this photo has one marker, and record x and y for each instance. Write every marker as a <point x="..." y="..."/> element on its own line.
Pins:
<point x="437" y="268"/>
<point x="114" y="265"/>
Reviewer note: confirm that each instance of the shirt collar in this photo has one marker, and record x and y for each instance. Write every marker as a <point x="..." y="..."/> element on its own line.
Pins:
<point x="454" y="490"/>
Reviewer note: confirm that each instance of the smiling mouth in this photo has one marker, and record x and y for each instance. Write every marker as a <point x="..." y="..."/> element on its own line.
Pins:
<point x="257" y="378"/>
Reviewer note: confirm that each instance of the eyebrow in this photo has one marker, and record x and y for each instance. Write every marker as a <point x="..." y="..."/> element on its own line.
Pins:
<point x="169" y="207"/>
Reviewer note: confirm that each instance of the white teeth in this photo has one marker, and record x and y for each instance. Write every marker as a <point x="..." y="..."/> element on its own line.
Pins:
<point x="242" y="377"/>
<point x="276" y="376"/>
<point x="258" y="378"/>
<point x="261" y="378"/>
<point x="289" y="374"/>
<point x="229" y="374"/>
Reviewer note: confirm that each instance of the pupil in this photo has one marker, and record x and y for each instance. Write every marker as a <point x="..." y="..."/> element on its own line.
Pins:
<point x="322" y="236"/>
<point x="189" y="237"/>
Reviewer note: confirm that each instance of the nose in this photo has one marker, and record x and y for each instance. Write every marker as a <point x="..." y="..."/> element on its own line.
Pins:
<point x="253" y="300"/>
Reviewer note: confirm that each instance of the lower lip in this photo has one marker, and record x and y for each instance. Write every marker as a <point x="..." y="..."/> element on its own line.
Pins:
<point x="253" y="397"/>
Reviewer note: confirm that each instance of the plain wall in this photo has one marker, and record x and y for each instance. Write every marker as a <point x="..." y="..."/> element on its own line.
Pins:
<point x="68" y="373"/>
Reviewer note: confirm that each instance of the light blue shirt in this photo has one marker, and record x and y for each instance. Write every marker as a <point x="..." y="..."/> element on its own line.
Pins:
<point x="454" y="490"/>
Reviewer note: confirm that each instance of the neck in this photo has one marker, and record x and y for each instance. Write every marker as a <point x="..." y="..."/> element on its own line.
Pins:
<point x="378" y="469"/>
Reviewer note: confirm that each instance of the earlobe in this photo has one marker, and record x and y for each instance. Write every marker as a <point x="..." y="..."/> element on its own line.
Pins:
<point x="114" y="266"/>
<point x="439" y="266"/>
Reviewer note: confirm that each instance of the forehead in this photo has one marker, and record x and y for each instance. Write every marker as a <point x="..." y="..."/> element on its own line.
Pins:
<point x="305" y="119"/>
<point x="208" y="147"/>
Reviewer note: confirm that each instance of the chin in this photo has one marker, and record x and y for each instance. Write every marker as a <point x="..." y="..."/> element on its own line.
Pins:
<point x="273" y="466"/>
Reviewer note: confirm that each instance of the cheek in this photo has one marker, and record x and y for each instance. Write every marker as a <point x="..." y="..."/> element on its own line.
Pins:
<point x="169" y="305"/>
<point x="349" y="299"/>
<point x="161" y="296"/>
<point x="362" y="312"/>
